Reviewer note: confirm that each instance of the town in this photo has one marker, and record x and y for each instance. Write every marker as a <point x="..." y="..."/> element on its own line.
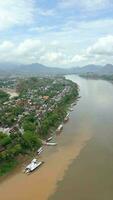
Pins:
<point x="33" y="114"/>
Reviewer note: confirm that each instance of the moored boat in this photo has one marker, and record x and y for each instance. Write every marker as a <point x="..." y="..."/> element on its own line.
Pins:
<point x="66" y="118"/>
<point x="33" y="165"/>
<point x="59" y="128"/>
<point x="49" y="139"/>
<point x="71" y="109"/>
<point x="40" y="150"/>
<point x="51" y="143"/>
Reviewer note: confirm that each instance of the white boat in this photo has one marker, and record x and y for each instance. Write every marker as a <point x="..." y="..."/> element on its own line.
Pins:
<point x="51" y="143"/>
<point x="33" y="165"/>
<point x="60" y="128"/>
<point x="49" y="139"/>
<point x="71" y="109"/>
<point x="66" y="118"/>
<point x="74" y="104"/>
<point x="39" y="151"/>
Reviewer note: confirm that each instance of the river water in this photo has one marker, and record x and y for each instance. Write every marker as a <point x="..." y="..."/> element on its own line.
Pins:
<point x="80" y="167"/>
<point x="90" y="176"/>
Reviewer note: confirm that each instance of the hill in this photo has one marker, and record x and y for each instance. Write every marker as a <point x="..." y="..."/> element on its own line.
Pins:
<point x="29" y="70"/>
<point x="8" y="69"/>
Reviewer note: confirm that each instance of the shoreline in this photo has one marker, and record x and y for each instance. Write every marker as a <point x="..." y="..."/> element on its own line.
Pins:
<point x="44" y="182"/>
<point x="21" y="161"/>
<point x="51" y="169"/>
<point x="96" y="77"/>
<point x="66" y="108"/>
<point x="42" y="187"/>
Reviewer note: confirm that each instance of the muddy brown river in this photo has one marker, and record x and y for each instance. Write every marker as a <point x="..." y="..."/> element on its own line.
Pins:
<point x="80" y="167"/>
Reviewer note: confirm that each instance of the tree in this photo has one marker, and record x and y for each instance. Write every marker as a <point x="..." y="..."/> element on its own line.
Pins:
<point x="30" y="140"/>
<point x="15" y="150"/>
<point x="29" y="126"/>
<point x="4" y="139"/>
<point x="3" y="96"/>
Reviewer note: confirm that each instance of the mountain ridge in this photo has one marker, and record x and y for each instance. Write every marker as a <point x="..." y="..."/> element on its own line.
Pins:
<point x="40" y="69"/>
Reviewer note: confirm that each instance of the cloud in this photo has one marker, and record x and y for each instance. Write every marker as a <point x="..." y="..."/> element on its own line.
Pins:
<point x="103" y="47"/>
<point x="43" y="29"/>
<point x="46" y="12"/>
<point x="85" y="4"/>
<point x="34" y="50"/>
<point x="78" y="58"/>
<point x="20" y="13"/>
<point x="25" y="52"/>
<point x="52" y="57"/>
<point x="6" y="46"/>
<point x="100" y="52"/>
<point x="27" y="46"/>
<point x="57" y="52"/>
<point x="31" y="51"/>
<point x="16" y="12"/>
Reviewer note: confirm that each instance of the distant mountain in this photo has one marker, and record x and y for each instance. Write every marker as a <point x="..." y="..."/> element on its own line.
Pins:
<point x="95" y="69"/>
<point x="9" y="69"/>
<point x="38" y="69"/>
<point x="107" y="69"/>
<point x="31" y="69"/>
<point x="87" y="69"/>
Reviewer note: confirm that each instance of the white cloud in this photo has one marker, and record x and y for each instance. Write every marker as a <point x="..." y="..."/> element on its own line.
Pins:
<point x="103" y="47"/>
<point x="85" y="4"/>
<point x="28" y="46"/>
<point x="16" y="12"/>
<point x="20" y="13"/>
<point x="34" y="50"/>
<point x="100" y="52"/>
<point x="64" y="39"/>
<point x="46" y="12"/>
<point x="31" y="51"/>
<point x="52" y="57"/>
<point x="25" y="52"/>
<point x="6" y="45"/>
<point x="43" y="29"/>
<point x="78" y="58"/>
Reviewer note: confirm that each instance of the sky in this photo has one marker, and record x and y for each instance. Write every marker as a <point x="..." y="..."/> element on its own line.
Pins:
<point x="56" y="33"/>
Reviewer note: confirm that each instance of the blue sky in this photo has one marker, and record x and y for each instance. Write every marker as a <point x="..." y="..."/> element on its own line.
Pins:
<point x="57" y="33"/>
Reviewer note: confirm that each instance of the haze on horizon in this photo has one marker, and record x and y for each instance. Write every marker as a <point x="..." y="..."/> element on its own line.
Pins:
<point x="57" y="33"/>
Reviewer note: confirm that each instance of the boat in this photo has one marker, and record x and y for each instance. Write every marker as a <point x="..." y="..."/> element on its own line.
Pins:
<point x="33" y="165"/>
<point x="59" y="128"/>
<point x="51" y="143"/>
<point x="66" y="118"/>
<point x="49" y="139"/>
<point x="39" y="151"/>
<point x="71" y="109"/>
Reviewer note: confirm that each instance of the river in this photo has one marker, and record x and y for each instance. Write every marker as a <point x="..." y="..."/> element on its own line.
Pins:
<point x="90" y="176"/>
<point x="81" y="165"/>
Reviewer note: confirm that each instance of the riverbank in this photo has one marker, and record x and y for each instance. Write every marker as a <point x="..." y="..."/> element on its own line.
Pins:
<point x="35" y="126"/>
<point x="97" y="77"/>
<point x="80" y="166"/>
<point x="7" y="167"/>
<point x="38" y="185"/>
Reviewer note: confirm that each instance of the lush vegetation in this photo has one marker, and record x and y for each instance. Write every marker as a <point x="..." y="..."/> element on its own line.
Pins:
<point x="7" y="166"/>
<point x="38" y="110"/>
<point x="3" y="97"/>
<point x="9" y="115"/>
<point x="13" y="145"/>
